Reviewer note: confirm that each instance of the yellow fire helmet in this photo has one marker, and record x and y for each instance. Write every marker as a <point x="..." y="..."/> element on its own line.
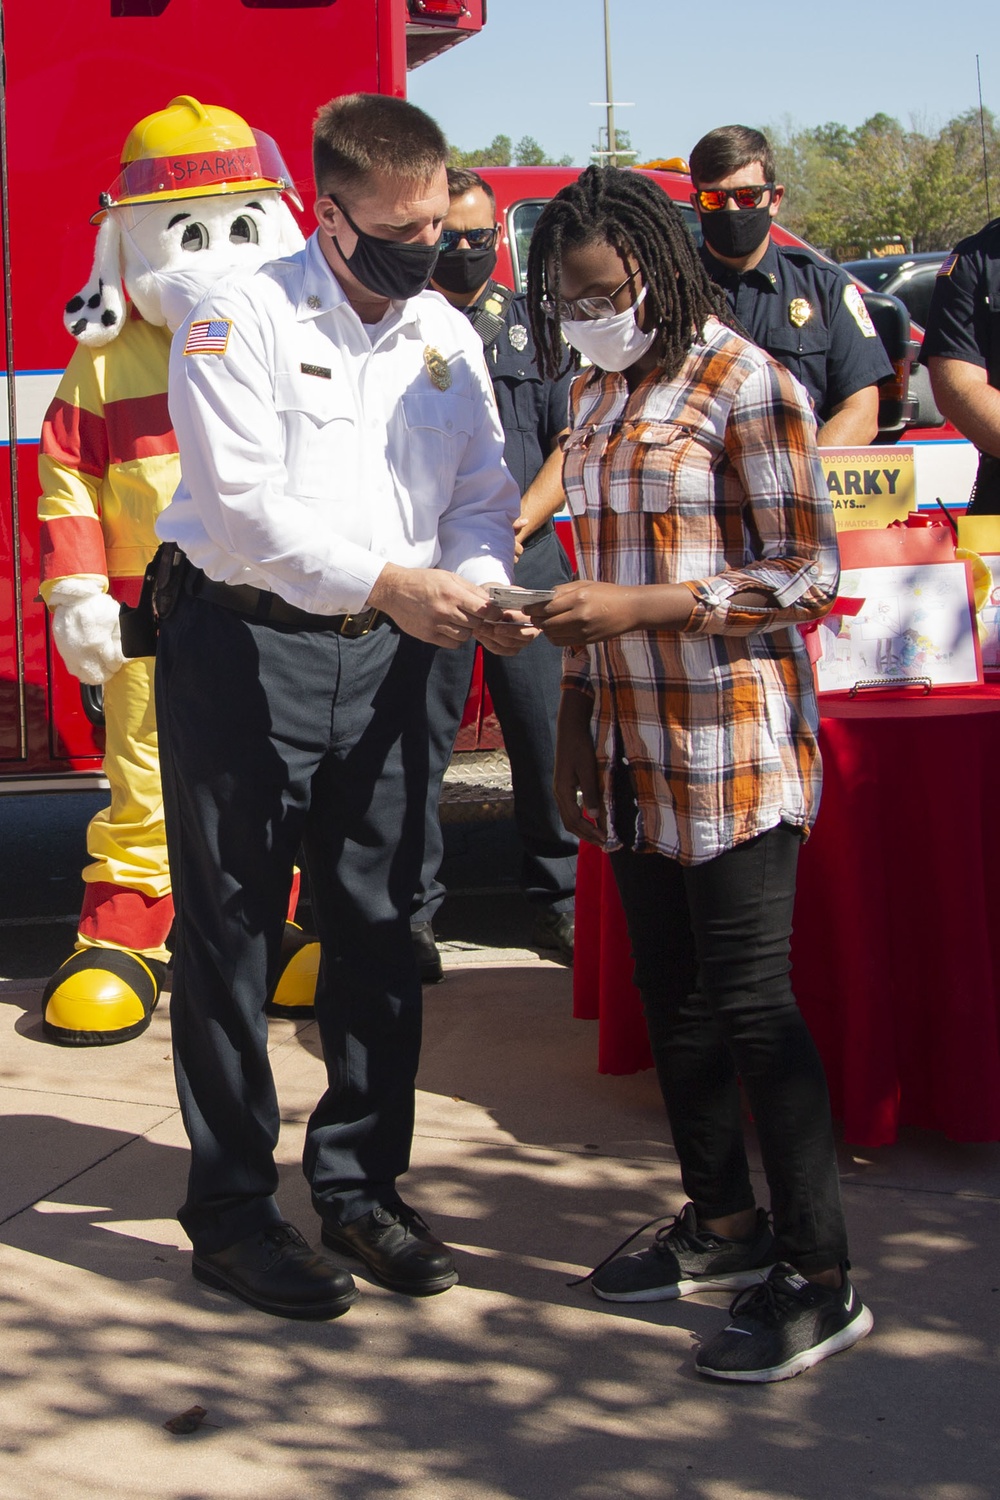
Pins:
<point x="192" y="150"/>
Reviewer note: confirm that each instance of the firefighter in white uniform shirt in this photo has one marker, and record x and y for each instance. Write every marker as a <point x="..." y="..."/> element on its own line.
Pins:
<point x="343" y="506"/>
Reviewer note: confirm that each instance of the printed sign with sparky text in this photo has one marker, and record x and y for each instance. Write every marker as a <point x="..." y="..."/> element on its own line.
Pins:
<point x="869" y="487"/>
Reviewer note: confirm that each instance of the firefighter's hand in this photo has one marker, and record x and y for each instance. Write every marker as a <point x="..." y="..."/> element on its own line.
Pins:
<point x="505" y="632"/>
<point x="430" y="603"/>
<point x="576" y="781"/>
<point x="86" y="627"/>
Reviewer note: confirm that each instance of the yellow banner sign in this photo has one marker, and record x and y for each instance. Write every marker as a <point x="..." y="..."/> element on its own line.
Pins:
<point x="869" y="487"/>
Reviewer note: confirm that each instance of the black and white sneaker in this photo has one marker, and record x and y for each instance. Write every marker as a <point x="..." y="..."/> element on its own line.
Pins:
<point x="784" y="1327"/>
<point x="684" y="1259"/>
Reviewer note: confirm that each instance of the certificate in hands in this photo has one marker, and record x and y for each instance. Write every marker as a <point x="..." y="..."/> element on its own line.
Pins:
<point x="509" y="596"/>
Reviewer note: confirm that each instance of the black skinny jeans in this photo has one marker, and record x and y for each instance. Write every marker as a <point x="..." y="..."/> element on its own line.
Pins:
<point x="711" y="945"/>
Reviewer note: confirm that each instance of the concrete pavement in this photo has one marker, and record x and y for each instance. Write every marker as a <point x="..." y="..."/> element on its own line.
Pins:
<point x="512" y="1386"/>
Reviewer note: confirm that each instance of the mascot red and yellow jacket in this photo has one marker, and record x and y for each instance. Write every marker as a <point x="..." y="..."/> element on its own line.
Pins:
<point x="199" y="194"/>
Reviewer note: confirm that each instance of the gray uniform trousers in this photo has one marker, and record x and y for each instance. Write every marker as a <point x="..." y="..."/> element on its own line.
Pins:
<point x="272" y="736"/>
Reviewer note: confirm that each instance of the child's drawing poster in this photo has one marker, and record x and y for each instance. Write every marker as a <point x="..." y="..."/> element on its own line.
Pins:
<point x="916" y="621"/>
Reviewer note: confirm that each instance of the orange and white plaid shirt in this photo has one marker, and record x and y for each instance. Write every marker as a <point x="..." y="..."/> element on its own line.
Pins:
<point x="712" y="480"/>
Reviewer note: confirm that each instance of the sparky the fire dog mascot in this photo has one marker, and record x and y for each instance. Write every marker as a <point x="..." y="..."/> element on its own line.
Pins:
<point x="199" y="194"/>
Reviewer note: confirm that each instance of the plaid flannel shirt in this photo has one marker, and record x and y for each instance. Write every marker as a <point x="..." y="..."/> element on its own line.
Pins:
<point x="712" y="480"/>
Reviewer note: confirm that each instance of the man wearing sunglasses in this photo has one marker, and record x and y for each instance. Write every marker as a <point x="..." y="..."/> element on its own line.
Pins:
<point x="805" y="312"/>
<point x="525" y="692"/>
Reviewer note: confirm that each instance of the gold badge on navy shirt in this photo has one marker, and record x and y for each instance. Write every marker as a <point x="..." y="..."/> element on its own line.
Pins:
<point x="518" y="335"/>
<point x="799" y="311"/>
<point x="437" y="367"/>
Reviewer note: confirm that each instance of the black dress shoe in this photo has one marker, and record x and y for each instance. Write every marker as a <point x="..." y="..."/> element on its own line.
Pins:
<point x="554" y="929"/>
<point x="426" y="951"/>
<point x="278" y="1272"/>
<point x="398" y="1248"/>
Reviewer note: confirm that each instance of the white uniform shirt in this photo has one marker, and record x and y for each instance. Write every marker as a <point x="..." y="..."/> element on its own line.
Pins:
<point x="316" y="448"/>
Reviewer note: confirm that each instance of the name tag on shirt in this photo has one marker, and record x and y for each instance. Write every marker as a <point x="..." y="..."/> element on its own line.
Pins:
<point x="320" y="370"/>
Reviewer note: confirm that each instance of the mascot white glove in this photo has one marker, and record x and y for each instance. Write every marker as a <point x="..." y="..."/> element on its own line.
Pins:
<point x="86" y="628"/>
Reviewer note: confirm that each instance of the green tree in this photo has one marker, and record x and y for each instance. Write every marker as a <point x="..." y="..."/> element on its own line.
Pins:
<point x="850" y="191"/>
<point x="528" y="153"/>
<point x="497" y="154"/>
<point x="501" y="152"/>
<point x="624" y="156"/>
<point x="948" y="189"/>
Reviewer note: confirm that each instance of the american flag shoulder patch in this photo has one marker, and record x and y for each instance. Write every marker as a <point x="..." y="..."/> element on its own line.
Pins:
<point x="947" y="266"/>
<point x="208" y="336"/>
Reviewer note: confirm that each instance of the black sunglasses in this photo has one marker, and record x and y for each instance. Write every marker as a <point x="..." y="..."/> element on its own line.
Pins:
<point x="476" y="239"/>
<point x="710" y="200"/>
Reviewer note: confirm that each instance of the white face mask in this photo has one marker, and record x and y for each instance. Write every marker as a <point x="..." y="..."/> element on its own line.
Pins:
<point x="611" y="343"/>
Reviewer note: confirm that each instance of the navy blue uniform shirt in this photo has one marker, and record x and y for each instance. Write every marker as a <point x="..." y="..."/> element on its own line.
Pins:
<point x="964" y="323"/>
<point x="964" y="320"/>
<point x="533" y="411"/>
<point x="809" y="315"/>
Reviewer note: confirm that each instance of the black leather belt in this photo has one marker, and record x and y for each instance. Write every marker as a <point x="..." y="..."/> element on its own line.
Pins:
<point x="546" y="529"/>
<point x="261" y="604"/>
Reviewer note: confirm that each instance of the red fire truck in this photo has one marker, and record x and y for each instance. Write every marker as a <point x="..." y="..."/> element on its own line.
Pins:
<point x="76" y="77"/>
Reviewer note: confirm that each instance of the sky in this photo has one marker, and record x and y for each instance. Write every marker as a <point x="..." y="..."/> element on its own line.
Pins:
<point x="538" y="64"/>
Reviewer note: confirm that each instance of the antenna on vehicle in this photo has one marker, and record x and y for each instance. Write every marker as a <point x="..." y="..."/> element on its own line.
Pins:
<point x="982" y="127"/>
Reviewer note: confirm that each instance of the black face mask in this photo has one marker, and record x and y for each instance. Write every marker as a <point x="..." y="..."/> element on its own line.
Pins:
<point x="464" y="270"/>
<point x="386" y="267"/>
<point x="735" y="233"/>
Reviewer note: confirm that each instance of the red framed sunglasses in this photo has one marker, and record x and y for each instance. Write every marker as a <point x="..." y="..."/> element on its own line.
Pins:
<point x="711" y="200"/>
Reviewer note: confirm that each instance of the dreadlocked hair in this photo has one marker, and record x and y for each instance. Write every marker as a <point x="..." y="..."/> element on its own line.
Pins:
<point x="633" y="214"/>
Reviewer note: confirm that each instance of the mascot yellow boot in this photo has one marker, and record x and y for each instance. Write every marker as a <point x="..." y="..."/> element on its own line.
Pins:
<point x="199" y="195"/>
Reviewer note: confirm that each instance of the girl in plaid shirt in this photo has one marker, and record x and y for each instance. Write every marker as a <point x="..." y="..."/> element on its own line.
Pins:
<point x="687" y="745"/>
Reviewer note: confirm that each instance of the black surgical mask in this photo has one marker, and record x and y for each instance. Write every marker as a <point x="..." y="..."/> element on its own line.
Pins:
<point x="464" y="270"/>
<point x="736" y="232"/>
<point x="387" y="267"/>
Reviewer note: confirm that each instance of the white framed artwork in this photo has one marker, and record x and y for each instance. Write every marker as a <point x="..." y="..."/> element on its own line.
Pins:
<point x="917" y="621"/>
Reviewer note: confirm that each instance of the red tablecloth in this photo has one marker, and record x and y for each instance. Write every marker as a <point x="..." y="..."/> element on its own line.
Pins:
<point x="896" y="951"/>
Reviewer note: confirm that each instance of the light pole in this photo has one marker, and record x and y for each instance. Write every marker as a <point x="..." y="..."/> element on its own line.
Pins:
<point x="609" y="92"/>
<point x="611" y="154"/>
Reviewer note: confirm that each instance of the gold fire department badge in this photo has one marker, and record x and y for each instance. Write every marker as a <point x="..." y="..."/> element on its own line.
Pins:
<point x="437" y="367"/>
<point x="799" y="311"/>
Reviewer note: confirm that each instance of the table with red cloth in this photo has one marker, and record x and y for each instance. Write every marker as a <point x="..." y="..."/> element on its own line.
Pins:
<point x="896" y="945"/>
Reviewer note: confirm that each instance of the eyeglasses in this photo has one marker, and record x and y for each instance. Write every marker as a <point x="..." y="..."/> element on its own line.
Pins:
<point x="585" y="308"/>
<point x="476" y="239"/>
<point x="712" y="199"/>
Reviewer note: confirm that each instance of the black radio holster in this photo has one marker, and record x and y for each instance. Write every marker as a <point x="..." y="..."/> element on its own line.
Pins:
<point x="161" y="586"/>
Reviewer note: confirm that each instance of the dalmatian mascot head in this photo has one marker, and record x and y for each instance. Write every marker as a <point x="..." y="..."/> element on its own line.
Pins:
<point x="199" y="194"/>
